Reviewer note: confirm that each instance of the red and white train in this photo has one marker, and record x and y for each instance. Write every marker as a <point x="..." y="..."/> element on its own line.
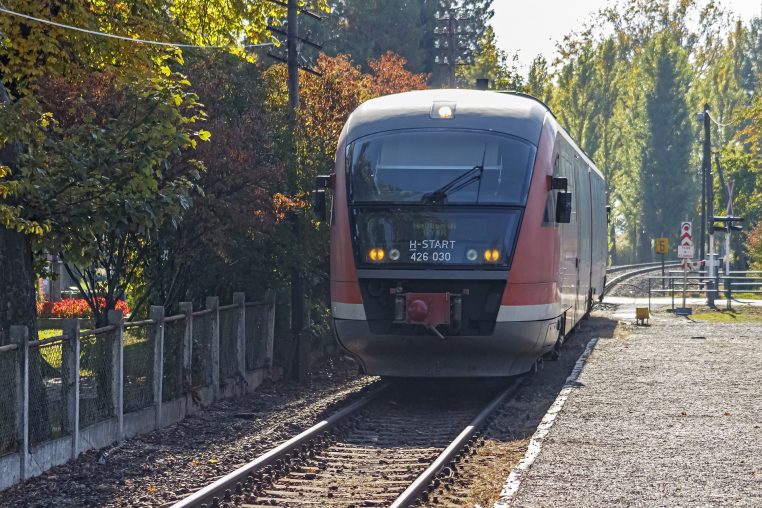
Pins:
<point x="468" y="234"/>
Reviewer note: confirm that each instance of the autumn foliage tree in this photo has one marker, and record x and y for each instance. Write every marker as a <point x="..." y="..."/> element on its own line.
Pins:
<point x="326" y="101"/>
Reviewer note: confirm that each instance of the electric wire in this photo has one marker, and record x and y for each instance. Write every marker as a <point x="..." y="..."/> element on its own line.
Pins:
<point x="130" y="39"/>
<point x="722" y="124"/>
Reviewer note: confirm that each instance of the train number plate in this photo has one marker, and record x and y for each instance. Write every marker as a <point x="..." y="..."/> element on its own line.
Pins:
<point x="427" y="251"/>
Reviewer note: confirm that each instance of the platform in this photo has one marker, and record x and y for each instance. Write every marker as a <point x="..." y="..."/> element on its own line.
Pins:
<point x="666" y="415"/>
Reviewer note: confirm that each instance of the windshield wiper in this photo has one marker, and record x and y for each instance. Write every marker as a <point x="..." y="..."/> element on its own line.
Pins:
<point x="474" y="174"/>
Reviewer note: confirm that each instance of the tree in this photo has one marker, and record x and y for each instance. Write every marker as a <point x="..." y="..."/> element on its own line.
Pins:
<point x="366" y="29"/>
<point x="492" y="63"/>
<point x="539" y="80"/>
<point x="667" y="185"/>
<point x="326" y="102"/>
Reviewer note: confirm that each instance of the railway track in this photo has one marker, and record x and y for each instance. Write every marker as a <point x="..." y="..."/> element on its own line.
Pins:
<point x="386" y="449"/>
<point x="624" y="272"/>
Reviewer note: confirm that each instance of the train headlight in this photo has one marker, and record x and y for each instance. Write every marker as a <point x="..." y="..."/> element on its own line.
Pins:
<point x="491" y="255"/>
<point x="394" y="254"/>
<point x="376" y="254"/>
<point x="471" y="255"/>
<point x="442" y="110"/>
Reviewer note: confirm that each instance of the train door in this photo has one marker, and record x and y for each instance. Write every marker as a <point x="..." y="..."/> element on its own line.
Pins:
<point x="584" y="236"/>
<point x="568" y="240"/>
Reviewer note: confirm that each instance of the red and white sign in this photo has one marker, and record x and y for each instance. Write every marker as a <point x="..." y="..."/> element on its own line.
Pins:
<point x="685" y="245"/>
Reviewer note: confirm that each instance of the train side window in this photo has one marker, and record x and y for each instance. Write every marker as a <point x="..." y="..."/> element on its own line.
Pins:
<point x="548" y="216"/>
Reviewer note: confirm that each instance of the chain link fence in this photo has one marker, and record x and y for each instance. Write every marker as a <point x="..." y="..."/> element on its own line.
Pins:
<point x="172" y="380"/>
<point x="229" y="318"/>
<point x="47" y="402"/>
<point x="138" y="366"/>
<point x="62" y="389"/>
<point x="96" y="371"/>
<point x="9" y="385"/>
<point x="257" y="326"/>
<point x="201" y="366"/>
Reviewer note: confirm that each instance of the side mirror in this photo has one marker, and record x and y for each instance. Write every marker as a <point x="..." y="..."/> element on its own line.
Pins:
<point x="559" y="183"/>
<point x="319" y="205"/>
<point x="563" y="207"/>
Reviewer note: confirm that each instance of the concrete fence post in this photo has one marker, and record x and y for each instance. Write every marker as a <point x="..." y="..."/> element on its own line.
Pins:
<point x="239" y="299"/>
<point x="157" y="316"/>
<point x="213" y="303"/>
<point x="116" y="318"/>
<point x="270" y="329"/>
<point x="187" y="345"/>
<point x="20" y="335"/>
<point x="70" y="381"/>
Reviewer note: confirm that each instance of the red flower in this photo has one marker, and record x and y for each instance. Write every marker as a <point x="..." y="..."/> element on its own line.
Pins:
<point x="75" y="308"/>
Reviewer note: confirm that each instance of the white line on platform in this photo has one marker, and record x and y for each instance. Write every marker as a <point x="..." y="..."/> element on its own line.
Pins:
<point x="512" y="484"/>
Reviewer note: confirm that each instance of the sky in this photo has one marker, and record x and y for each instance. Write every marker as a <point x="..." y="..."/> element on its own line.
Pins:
<point x="532" y="27"/>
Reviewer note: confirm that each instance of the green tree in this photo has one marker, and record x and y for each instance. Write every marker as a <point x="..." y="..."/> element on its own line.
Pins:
<point x="492" y="63"/>
<point x="667" y="185"/>
<point x="539" y="81"/>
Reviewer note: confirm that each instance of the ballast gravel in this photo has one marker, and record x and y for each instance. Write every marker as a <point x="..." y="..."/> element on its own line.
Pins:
<point x="669" y="415"/>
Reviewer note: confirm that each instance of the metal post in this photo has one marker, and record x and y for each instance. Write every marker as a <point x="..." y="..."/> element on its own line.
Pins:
<point x="685" y="281"/>
<point x="239" y="299"/>
<point x="157" y="315"/>
<point x="672" y="291"/>
<point x="187" y="345"/>
<point x="116" y="318"/>
<point x="649" y="289"/>
<point x="213" y="303"/>
<point x="70" y="380"/>
<point x="707" y="164"/>
<point x="662" y="270"/>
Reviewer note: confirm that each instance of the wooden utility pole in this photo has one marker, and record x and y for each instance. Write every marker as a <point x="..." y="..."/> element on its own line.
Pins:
<point x="299" y="362"/>
<point x="298" y="368"/>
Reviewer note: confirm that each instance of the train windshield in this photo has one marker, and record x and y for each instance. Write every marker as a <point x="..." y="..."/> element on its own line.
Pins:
<point x="440" y="167"/>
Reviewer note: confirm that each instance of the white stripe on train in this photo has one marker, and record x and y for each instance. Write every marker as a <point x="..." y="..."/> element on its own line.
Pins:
<point x="507" y="313"/>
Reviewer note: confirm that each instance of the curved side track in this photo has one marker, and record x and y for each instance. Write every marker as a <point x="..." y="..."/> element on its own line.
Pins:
<point x="389" y="449"/>
<point x="629" y="271"/>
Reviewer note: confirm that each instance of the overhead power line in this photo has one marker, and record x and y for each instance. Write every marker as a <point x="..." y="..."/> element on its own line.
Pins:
<point x="130" y="39"/>
<point x="723" y="124"/>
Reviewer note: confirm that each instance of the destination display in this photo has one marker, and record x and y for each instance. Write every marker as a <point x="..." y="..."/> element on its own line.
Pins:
<point x="422" y="237"/>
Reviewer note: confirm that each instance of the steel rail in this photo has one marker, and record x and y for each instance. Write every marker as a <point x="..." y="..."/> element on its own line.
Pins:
<point x="421" y="484"/>
<point x="620" y="268"/>
<point x="217" y="489"/>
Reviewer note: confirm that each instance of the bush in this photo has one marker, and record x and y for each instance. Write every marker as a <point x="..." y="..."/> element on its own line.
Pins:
<point x="74" y="308"/>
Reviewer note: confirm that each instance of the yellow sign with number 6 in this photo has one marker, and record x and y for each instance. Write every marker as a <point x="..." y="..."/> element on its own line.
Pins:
<point x="662" y="245"/>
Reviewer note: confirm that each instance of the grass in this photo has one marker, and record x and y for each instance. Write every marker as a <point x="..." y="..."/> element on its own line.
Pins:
<point x="747" y="296"/>
<point x="738" y="315"/>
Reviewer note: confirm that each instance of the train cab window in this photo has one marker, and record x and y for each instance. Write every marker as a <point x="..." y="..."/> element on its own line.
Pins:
<point x="465" y="167"/>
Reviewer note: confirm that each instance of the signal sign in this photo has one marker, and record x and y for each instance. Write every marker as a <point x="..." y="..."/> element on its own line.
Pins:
<point x="661" y="245"/>
<point x="685" y="245"/>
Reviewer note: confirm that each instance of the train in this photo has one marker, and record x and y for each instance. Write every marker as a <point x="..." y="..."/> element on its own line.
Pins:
<point x="468" y="234"/>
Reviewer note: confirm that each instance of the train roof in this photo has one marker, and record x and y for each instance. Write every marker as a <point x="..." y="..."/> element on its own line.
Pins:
<point x="514" y="114"/>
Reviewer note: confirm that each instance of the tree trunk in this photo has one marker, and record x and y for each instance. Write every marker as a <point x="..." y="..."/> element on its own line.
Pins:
<point x="17" y="294"/>
<point x="17" y="301"/>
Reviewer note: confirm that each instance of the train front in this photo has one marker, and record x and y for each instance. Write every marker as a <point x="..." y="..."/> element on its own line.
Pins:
<point x="430" y="192"/>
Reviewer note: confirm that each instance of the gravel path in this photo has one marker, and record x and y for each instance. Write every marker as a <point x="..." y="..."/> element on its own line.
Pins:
<point x="669" y="415"/>
<point x="168" y="464"/>
<point x="504" y="441"/>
